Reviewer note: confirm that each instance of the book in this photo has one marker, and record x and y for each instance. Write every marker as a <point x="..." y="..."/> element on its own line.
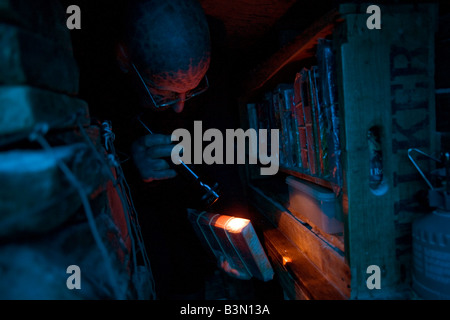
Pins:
<point x="314" y="129"/>
<point x="317" y="115"/>
<point x="291" y="121"/>
<point x="307" y="112"/>
<point x="278" y="103"/>
<point x="284" y="94"/>
<point x="327" y="70"/>
<point x="304" y="147"/>
<point x="322" y="124"/>
<point x="275" y="109"/>
<point x="252" y="116"/>
<point x="297" y="93"/>
<point x="273" y="121"/>
<point x="234" y="240"/>
<point x="301" y="129"/>
<point x="262" y="113"/>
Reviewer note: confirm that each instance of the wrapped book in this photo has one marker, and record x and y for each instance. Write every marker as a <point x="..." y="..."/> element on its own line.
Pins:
<point x="233" y="241"/>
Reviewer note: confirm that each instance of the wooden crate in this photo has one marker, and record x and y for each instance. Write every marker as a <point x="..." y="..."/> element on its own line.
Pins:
<point x="385" y="82"/>
<point x="385" y="79"/>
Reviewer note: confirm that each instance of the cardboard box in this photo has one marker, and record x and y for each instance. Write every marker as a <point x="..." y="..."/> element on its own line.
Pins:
<point x="315" y="204"/>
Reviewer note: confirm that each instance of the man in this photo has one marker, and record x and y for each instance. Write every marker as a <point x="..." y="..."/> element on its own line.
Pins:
<point x="165" y="54"/>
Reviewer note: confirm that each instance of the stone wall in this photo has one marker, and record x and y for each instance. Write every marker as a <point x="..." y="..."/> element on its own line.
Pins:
<point x="57" y="185"/>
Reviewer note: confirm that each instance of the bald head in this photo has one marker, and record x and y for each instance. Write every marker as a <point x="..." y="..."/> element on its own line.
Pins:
<point x="169" y="39"/>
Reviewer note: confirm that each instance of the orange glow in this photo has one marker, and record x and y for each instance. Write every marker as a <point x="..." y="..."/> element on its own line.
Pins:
<point x="236" y="225"/>
<point x="286" y="260"/>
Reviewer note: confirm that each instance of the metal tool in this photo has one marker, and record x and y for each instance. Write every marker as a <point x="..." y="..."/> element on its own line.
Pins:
<point x="437" y="196"/>
<point x="207" y="195"/>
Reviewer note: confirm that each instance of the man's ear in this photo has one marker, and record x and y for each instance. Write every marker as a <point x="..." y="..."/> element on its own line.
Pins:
<point x="122" y="58"/>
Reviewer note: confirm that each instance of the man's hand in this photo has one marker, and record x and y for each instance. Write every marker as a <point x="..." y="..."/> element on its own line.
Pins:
<point x="225" y="266"/>
<point x="148" y="152"/>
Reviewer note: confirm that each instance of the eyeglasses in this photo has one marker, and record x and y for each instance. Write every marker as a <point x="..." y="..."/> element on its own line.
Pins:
<point x="165" y="101"/>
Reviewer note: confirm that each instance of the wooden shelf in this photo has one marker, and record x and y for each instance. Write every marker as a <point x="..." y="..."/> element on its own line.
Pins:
<point x="319" y="181"/>
<point x="301" y="48"/>
<point x="301" y="279"/>
<point x="323" y="251"/>
<point x="373" y="83"/>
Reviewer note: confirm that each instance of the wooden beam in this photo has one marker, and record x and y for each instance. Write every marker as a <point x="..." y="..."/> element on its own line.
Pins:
<point x="330" y="260"/>
<point x="299" y="277"/>
<point x="385" y="81"/>
<point x="302" y="47"/>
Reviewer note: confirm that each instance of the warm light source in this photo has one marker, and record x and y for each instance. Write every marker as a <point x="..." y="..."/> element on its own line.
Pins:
<point x="286" y="260"/>
<point x="236" y="225"/>
<point x="234" y="243"/>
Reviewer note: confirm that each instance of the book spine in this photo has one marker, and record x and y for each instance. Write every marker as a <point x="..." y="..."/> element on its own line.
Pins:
<point x="293" y="127"/>
<point x="234" y="253"/>
<point x="301" y="129"/>
<point x="284" y="104"/>
<point x="252" y="116"/>
<point x="286" y="124"/>
<point x="322" y="125"/>
<point x="306" y="102"/>
<point x="316" y="125"/>
<point x="282" y="133"/>
<point x="275" y="106"/>
<point x="325" y="57"/>
<point x="304" y="147"/>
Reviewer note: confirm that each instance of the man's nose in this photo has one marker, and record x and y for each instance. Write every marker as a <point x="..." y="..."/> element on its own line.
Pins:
<point x="179" y="106"/>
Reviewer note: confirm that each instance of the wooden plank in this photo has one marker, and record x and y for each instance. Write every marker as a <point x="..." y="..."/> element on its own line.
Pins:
<point x="299" y="49"/>
<point x="299" y="277"/>
<point x="328" y="258"/>
<point x="321" y="182"/>
<point x="255" y="18"/>
<point x="278" y="192"/>
<point x="385" y="81"/>
<point x="24" y="107"/>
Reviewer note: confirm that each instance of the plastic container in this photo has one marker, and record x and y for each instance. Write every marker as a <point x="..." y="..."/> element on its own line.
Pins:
<point x="315" y="205"/>
<point x="431" y="256"/>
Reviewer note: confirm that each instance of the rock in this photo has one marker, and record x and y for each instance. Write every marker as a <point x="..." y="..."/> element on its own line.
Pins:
<point x="23" y="107"/>
<point x="37" y="269"/>
<point x="30" y="58"/>
<point x="36" y="196"/>
<point x="42" y="17"/>
<point x="30" y="274"/>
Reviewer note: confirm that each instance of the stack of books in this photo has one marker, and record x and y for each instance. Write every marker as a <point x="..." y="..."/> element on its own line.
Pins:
<point x="306" y="113"/>
<point x="234" y="243"/>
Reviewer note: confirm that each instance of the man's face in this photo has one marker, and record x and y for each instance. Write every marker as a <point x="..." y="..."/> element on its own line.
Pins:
<point x="172" y="89"/>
